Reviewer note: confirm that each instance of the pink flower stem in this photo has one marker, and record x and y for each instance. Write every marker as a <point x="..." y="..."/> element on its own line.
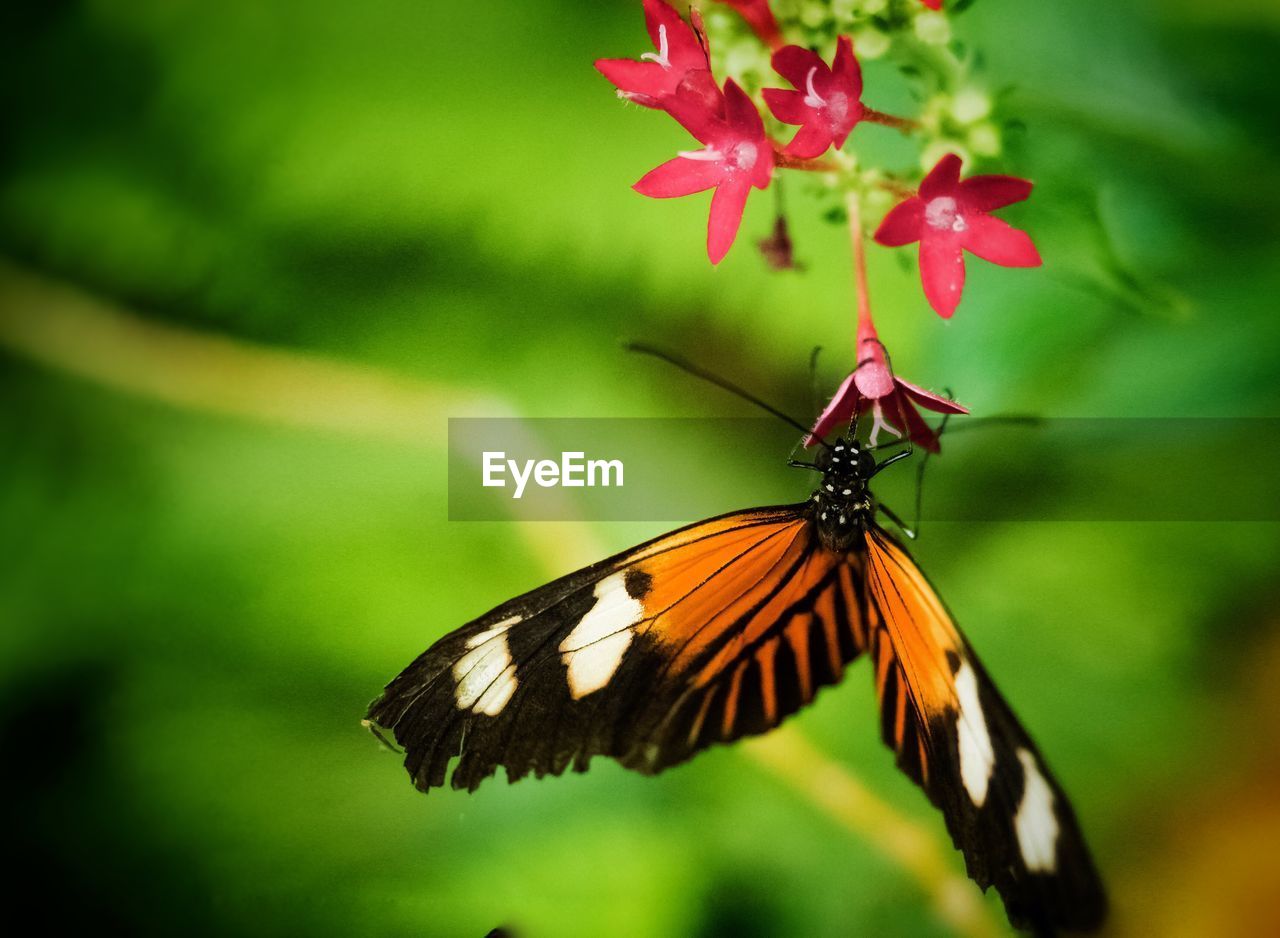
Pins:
<point x="904" y="124"/>
<point x="866" y="328"/>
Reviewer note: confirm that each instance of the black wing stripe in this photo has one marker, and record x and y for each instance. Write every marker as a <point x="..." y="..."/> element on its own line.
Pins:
<point x="729" y="633"/>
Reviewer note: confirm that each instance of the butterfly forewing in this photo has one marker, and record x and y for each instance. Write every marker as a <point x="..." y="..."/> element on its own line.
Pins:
<point x="715" y="631"/>
<point x="955" y="736"/>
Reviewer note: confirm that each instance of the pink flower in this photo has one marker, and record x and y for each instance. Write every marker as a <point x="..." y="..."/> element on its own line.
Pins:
<point x="736" y="156"/>
<point x="760" y="18"/>
<point x="892" y="402"/>
<point x="680" y="62"/>
<point x="829" y="103"/>
<point x="949" y="217"/>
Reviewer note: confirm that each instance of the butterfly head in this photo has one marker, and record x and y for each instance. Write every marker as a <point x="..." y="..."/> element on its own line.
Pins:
<point x="842" y="504"/>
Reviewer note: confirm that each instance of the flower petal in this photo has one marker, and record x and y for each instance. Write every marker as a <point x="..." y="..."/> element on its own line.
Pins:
<point x="942" y="179"/>
<point x="909" y="420"/>
<point x="902" y="225"/>
<point x="988" y="193"/>
<point x="794" y="62"/>
<point x="813" y="139"/>
<point x="741" y="114"/>
<point x="942" y="273"/>
<point x="995" y="241"/>
<point x="787" y="106"/>
<point x="727" y="206"/>
<point x="699" y="85"/>
<point x="679" y="33"/>
<point x="760" y="18"/>
<point x="684" y="50"/>
<point x="838" y="410"/>
<point x="678" y="177"/>
<point x="929" y="400"/>
<point x="691" y="109"/>
<point x="845" y="66"/>
<point x="647" y="81"/>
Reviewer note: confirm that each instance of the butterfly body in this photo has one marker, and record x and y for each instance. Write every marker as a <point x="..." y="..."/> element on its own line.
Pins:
<point x="843" y="507"/>
<point x="723" y="629"/>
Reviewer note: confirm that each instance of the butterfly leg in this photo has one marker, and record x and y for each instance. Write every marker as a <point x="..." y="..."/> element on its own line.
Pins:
<point x="893" y="459"/>
<point x="889" y="513"/>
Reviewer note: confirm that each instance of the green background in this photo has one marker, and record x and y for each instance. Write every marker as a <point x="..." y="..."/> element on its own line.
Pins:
<point x="275" y="245"/>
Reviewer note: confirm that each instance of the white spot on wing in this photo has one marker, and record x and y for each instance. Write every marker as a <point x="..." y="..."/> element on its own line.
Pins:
<point x="594" y="649"/>
<point x="485" y="675"/>
<point x="1035" y="823"/>
<point x="977" y="758"/>
<point x="475" y="641"/>
<point x="498" y="693"/>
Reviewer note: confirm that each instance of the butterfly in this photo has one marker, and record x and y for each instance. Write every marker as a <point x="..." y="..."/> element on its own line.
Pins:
<point x="722" y="629"/>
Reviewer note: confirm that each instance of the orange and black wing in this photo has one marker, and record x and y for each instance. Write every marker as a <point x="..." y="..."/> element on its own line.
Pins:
<point x="712" y="632"/>
<point x="955" y="736"/>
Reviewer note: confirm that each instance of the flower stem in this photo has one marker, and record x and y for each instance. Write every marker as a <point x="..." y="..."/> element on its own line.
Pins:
<point x="904" y="124"/>
<point x="782" y="161"/>
<point x="853" y="206"/>
<point x="895" y="188"/>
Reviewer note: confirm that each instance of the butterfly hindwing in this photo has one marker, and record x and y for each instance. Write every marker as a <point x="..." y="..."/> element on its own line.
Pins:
<point x="718" y="630"/>
<point x="956" y="737"/>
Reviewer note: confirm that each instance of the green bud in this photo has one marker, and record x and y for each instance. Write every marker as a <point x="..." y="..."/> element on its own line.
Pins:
<point x="984" y="139"/>
<point x="933" y="28"/>
<point x="814" y="14"/>
<point x="843" y="10"/>
<point x="870" y="43"/>
<point x="970" y="105"/>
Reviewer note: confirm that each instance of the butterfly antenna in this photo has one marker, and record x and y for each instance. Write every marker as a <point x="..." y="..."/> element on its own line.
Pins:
<point x="700" y="372"/>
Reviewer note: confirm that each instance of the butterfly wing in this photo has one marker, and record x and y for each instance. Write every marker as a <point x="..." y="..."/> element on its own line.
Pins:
<point x="712" y="632"/>
<point x="955" y="736"/>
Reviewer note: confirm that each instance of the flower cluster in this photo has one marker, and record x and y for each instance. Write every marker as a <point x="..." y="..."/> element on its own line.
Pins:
<point x="796" y="106"/>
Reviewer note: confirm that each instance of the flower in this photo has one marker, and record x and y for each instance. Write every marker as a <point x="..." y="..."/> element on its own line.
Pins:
<point x="829" y="105"/>
<point x="681" y="62"/>
<point x="932" y="4"/>
<point x="949" y="217"/>
<point x="737" y="155"/>
<point x="872" y="386"/>
<point x="760" y="18"/>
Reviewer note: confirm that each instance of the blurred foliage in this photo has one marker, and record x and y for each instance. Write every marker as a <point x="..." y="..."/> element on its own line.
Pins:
<point x="195" y="609"/>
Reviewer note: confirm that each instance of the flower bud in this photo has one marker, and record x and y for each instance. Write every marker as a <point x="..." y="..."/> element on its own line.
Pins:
<point x="814" y="14"/>
<point x="871" y="43"/>
<point x="970" y="105"/>
<point x="933" y="28"/>
<point x="984" y="139"/>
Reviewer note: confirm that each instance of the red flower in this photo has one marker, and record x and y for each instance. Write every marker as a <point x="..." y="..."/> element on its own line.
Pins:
<point x="827" y="107"/>
<point x="932" y="4"/>
<point x="760" y="18"/>
<point x="892" y="402"/>
<point x="737" y="156"/>
<point x="949" y="217"/>
<point x="681" y="61"/>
